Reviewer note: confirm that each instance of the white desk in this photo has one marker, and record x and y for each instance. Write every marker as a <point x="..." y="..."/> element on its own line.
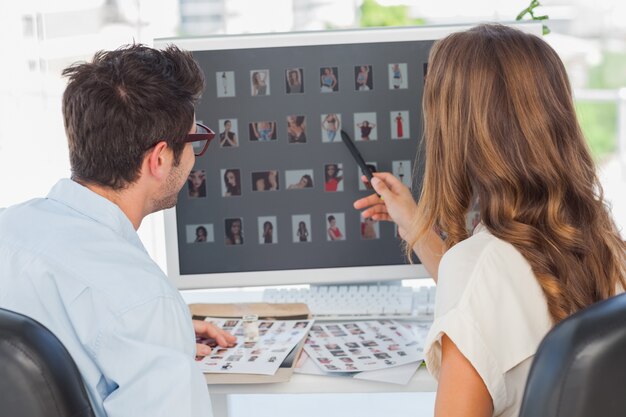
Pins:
<point x="314" y="384"/>
<point x="299" y="383"/>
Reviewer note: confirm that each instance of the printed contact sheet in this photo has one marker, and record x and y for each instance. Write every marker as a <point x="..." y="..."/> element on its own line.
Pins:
<point x="277" y="338"/>
<point x="365" y="345"/>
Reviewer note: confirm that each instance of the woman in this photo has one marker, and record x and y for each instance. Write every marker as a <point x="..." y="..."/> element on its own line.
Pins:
<point x="264" y="131"/>
<point x="366" y="129"/>
<point x="228" y="138"/>
<point x="268" y="232"/>
<point x="399" y="126"/>
<point x="303" y="232"/>
<point x="328" y="81"/>
<point x="225" y="83"/>
<point x="294" y="82"/>
<point x="196" y="182"/>
<point x="232" y="183"/>
<point x="332" y="179"/>
<point x="201" y="234"/>
<point x="296" y="129"/>
<point x="305" y="182"/>
<point x="272" y="180"/>
<point x="396" y="76"/>
<point x="400" y="173"/>
<point x="333" y="231"/>
<point x="234" y="234"/>
<point x="260" y="183"/>
<point x="500" y="125"/>
<point x="265" y="181"/>
<point x="259" y="85"/>
<point x="362" y="78"/>
<point x="331" y="125"/>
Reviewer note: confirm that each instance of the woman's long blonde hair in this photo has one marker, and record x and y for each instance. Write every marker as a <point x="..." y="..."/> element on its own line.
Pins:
<point x="500" y="125"/>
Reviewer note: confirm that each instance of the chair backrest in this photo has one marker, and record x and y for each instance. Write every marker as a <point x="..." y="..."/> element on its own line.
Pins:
<point x="38" y="377"/>
<point x="579" y="369"/>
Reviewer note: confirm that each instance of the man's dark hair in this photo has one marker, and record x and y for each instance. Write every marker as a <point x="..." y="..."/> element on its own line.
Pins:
<point x="121" y="103"/>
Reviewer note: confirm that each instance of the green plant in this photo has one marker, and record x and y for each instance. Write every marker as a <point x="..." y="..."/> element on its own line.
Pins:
<point x="374" y="15"/>
<point x="530" y="10"/>
<point x="599" y="124"/>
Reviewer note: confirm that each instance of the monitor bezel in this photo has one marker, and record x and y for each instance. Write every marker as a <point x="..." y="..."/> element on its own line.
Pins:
<point x="343" y="275"/>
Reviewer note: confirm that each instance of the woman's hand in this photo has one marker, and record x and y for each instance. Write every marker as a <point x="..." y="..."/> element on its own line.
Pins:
<point x="395" y="203"/>
<point x="208" y="330"/>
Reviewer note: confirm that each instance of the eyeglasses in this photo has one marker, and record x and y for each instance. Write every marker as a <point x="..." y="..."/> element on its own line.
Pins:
<point x="199" y="140"/>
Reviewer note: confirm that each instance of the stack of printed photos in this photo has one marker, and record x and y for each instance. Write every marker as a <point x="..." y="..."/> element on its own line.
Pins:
<point x="263" y="356"/>
<point x="365" y="346"/>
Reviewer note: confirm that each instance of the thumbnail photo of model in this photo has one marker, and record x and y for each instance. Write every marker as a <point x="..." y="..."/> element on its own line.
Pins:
<point x="370" y="228"/>
<point x="225" y="86"/>
<point x="234" y="231"/>
<point x="331" y="125"/>
<point x="229" y="137"/>
<point x="199" y="233"/>
<point x="296" y="129"/>
<point x="363" y="78"/>
<point x="301" y="227"/>
<point x="298" y="179"/>
<point x="402" y="170"/>
<point x="399" y="122"/>
<point x="196" y="184"/>
<point x="260" y="82"/>
<point x="397" y="77"/>
<point x="329" y="80"/>
<point x="268" y="232"/>
<point x="293" y="80"/>
<point x="265" y="180"/>
<point x="231" y="182"/>
<point x="333" y="177"/>
<point x="336" y="226"/>
<point x="365" y="126"/>
<point x="262" y="131"/>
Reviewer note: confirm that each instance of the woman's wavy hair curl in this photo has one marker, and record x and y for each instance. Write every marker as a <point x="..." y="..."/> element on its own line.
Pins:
<point x="500" y="126"/>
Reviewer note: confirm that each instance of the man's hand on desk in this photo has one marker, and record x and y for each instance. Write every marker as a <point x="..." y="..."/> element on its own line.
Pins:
<point x="207" y="330"/>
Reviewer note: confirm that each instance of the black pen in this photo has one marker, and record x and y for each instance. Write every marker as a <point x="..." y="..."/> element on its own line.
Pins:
<point x="366" y="169"/>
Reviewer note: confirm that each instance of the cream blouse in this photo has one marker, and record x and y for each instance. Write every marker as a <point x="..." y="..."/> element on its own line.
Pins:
<point x="491" y="306"/>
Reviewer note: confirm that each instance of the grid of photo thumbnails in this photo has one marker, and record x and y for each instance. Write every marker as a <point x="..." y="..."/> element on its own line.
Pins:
<point x="362" y="346"/>
<point x="301" y="129"/>
<point x="274" y="342"/>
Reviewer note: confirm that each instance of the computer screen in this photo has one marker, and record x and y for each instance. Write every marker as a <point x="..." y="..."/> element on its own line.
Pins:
<point x="270" y="203"/>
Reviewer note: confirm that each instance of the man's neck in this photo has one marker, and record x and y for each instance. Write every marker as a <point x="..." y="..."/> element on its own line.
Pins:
<point x="127" y="199"/>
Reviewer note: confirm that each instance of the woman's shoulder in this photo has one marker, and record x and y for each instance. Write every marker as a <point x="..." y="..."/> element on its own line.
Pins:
<point x="478" y="249"/>
<point x="483" y="260"/>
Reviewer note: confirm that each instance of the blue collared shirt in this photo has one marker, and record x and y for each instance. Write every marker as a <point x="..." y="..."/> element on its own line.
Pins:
<point x="74" y="262"/>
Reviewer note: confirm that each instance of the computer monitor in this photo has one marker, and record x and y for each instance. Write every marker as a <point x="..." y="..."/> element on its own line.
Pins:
<point x="270" y="203"/>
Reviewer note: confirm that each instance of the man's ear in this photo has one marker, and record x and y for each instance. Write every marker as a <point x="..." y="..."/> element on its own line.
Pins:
<point x="159" y="160"/>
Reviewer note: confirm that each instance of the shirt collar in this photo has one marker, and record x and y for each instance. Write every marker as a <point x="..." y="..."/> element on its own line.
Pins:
<point x="480" y="227"/>
<point x="95" y="207"/>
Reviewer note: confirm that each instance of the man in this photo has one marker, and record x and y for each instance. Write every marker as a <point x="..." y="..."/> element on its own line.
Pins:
<point x="73" y="260"/>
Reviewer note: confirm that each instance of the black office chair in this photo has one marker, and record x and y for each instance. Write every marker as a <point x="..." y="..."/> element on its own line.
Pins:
<point x="38" y="376"/>
<point x="579" y="369"/>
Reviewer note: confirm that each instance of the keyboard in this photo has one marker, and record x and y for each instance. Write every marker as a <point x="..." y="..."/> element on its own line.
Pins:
<point x="361" y="302"/>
